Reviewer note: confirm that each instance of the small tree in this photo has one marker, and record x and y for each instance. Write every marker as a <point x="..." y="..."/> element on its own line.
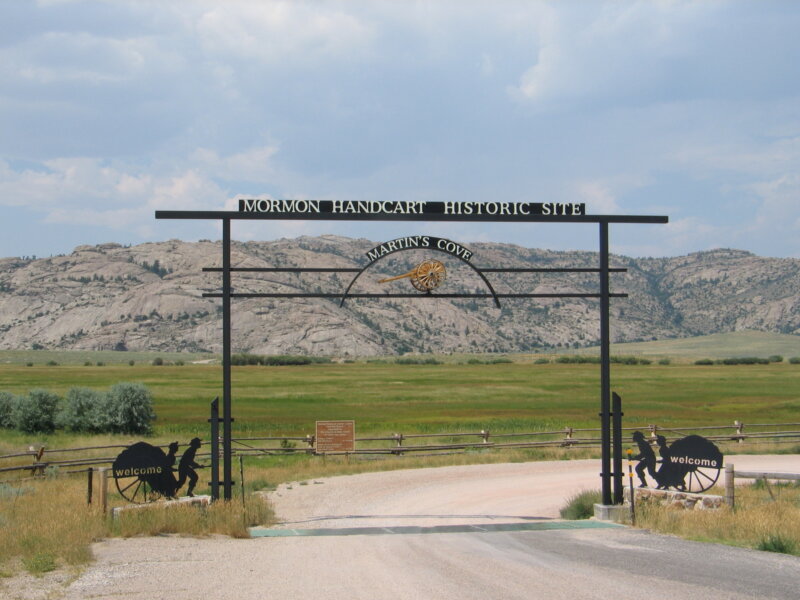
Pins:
<point x="129" y="409"/>
<point x="84" y="409"/>
<point x="36" y="412"/>
<point x="7" y="402"/>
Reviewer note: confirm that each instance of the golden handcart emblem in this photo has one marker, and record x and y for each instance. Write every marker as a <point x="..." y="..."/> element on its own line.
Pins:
<point x="426" y="276"/>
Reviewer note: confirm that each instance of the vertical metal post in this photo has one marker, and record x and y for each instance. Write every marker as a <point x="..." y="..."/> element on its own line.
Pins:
<point x="89" y="475"/>
<point x="605" y="368"/>
<point x="241" y="476"/>
<point x="616" y="430"/>
<point x="103" y="489"/>
<point x="633" y="494"/>
<point x="214" y="420"/>
<point x="227" y="467"/>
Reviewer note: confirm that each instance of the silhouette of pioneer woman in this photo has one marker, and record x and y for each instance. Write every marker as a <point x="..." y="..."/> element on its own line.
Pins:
<point x="667" y="475"/>
<point x="646" y="458"/>
<point x="169" y="486"/>
<point x="186" y="467"/>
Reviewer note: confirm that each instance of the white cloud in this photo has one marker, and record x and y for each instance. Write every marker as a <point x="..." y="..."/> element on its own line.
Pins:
<point x="85" y="58"/>
<point x="83" y="190"/>
<point x="252" y="165"/>
<point x="598" y="196"/>
<point x="623" y="50"/>
<point x="275" y="32"/>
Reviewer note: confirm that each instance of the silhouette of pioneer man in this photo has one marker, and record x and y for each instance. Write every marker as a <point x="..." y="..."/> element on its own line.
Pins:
<point x="186" y="467"/>
<point x="646" y="458"/>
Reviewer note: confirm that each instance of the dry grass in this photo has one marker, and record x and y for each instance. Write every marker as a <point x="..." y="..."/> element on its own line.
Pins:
<point x="47" y="523"/>
<point x="226" y="518"/>
<point x="757" y="522"/>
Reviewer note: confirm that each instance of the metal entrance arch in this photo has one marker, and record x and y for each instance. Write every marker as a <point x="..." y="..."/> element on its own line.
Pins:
<point x="340" y="210"/>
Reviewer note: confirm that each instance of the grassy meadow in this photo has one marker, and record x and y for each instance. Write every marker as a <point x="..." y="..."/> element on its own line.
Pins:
<point x="386" y="398"/>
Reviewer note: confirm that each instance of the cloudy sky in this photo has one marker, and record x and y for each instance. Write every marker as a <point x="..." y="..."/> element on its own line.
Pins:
<point x="111" y="110"/>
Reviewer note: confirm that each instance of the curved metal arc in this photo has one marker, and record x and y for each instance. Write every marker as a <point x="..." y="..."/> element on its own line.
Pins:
<point x="474" y="268"/>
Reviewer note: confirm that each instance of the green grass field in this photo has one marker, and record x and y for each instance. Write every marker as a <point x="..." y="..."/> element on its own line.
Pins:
<point x="386" y="398"/>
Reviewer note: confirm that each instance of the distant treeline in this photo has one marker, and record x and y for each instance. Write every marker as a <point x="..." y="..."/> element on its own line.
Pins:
<point x="747" y="360"/>
<point x="620" y="360"/>
<point x="275" y="361"/>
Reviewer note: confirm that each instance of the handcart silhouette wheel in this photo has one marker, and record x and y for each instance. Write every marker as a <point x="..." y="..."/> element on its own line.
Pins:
<point x="698" y="460"/>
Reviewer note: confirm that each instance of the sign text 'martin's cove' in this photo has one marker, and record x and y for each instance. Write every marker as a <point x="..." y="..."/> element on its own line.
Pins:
<point x="410" y="207"/>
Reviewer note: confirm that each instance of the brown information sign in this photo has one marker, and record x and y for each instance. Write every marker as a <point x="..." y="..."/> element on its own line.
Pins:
<point x="336" y="436"/>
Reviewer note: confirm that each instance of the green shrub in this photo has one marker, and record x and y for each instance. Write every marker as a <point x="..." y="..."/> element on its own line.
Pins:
<point x="704" y="361"/>
<point x="581" y="505"/>
<point x="129" y="409"/>
<point x="87" y="363"/>
<point x="245" y="359"/>
<point x="158" y="361"/>
<point x="417" y="361"/>
<point x="52" y="363"/>
<point x="745" y="360"/>
<point x="664" y="361"/>
<point x="795" y="360"/>
<point x="777" y="543"/>
<point x="84" y="410"/>
<point x="131" y="362"/>
<point x="40" y="563"/>
<point x="776" y="358"/>
<point x="542" y="361"/>
<point x="36" y="412"/>
<point x="7" y="402"/>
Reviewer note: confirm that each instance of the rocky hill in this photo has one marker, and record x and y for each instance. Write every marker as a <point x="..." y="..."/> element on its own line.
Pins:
<point x="149" y="297"/>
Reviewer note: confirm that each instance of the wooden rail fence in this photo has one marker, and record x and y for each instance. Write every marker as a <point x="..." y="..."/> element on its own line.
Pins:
<point x="40" y="459"/>
<point x="731" y="474"/>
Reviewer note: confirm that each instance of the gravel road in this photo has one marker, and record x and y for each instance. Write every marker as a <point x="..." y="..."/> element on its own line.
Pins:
<point x="458" y="532"/>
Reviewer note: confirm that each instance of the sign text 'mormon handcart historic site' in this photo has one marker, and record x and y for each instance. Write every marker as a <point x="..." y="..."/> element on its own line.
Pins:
<point x="411" y="207"/>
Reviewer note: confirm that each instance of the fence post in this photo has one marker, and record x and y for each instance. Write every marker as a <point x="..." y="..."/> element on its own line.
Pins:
<point x="398" y="439"/>
<point x="730" y="475"/>
<point x="104" y="488"/>
<point x="739" y="428"/>
<point x="485" y="435"/>
<point x="310" y="441"/>
<point x="568" y="437"/>
<point x="653" y="431"/>
<point x="89" y="477"/>
<point x="36" y="467"/>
